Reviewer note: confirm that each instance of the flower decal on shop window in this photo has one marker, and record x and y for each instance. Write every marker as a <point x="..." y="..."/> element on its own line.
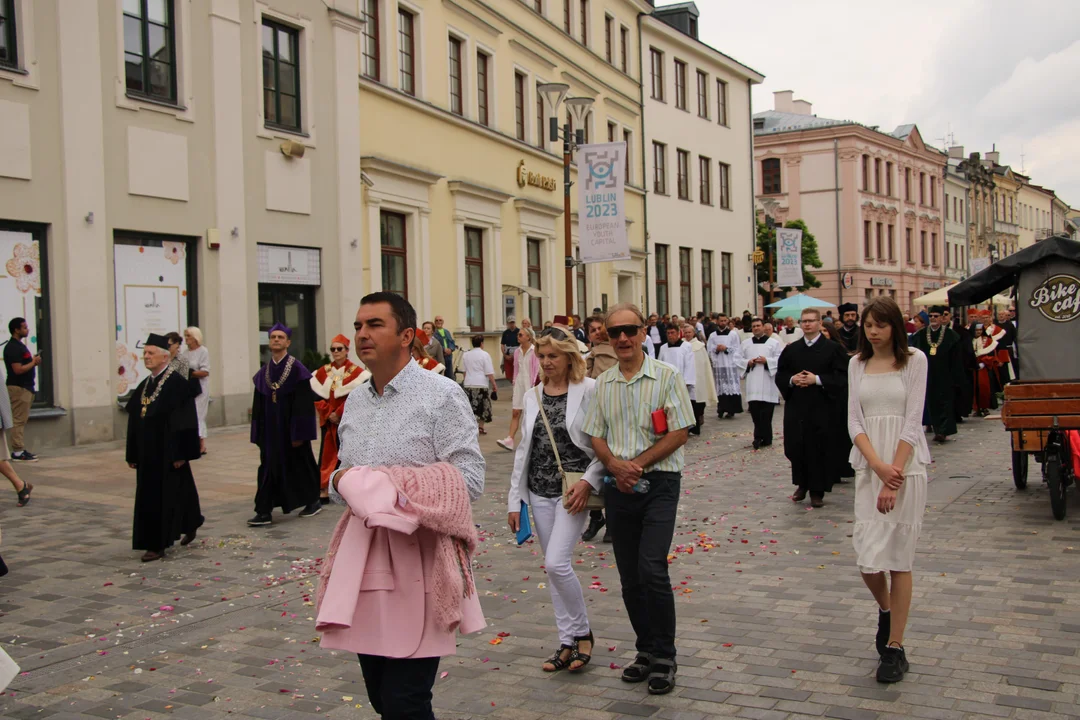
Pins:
<point x="127" y="369"/>
<point x="25" y="266"/>
<point x="174" y="251"/>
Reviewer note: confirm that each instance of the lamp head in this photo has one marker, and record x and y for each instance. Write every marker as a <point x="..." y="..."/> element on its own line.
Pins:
<point x="553" y="94"/>
<point x="579" y="108"/>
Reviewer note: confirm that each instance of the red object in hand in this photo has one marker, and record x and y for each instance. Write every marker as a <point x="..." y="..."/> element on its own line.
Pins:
<point x="659" y="421"/>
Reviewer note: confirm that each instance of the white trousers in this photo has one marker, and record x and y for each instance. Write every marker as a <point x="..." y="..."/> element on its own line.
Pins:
<point x="558" y="532"/>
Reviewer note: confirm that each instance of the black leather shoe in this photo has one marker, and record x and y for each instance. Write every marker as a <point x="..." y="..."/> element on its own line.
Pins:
<point x="800" y="495"/>
<point x="595" y="525"/>
<point x="893" y="665"/>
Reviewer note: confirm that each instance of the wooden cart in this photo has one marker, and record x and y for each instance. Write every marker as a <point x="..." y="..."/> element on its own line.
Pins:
<point x="1043" y="406"/>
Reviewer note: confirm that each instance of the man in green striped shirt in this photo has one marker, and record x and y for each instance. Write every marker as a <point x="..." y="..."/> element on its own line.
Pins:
<point x="643" y="501"/>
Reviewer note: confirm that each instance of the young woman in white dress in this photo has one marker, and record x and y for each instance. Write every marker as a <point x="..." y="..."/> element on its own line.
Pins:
<point x="886" y="392"/>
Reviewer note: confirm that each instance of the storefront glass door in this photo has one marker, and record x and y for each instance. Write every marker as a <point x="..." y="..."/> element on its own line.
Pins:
<point x="293" y="305"/>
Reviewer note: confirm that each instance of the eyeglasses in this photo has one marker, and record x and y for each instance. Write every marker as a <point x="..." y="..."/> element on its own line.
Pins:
<point x="337" y="349"/>
<point x="628" y="330"/>
<point x="553" y="332"/>
<point x="935" y="315"/>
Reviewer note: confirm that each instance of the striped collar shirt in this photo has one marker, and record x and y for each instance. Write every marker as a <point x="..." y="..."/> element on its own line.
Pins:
<point x="621" y="411"/>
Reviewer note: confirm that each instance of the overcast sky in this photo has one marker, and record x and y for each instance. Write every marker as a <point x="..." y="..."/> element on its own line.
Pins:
<point x="986" y="71"/>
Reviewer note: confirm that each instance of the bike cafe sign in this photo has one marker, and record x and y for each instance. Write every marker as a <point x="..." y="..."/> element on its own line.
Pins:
<point x="1058" y="298"/>
<point x="525" y="177"/>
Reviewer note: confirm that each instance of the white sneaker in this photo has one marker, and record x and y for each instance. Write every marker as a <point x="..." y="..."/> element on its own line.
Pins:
<point x="507" y="443"/>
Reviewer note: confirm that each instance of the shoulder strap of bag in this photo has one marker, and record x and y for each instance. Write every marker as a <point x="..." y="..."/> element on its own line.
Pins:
<point x="551" y="435"/>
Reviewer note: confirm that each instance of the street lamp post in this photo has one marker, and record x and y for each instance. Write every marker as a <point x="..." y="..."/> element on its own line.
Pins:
<point x="554" y="94"/>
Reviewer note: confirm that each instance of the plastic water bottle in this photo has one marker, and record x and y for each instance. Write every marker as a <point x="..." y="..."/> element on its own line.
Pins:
<point x="641" y="487"/>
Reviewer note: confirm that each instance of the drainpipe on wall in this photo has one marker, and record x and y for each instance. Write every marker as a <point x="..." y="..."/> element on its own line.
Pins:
<point x="641" y="165"/>
<point x="753" y="207"/>
<point x="836" y="178"/>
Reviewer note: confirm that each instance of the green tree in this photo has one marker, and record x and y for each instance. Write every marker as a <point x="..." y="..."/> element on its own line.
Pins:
<point x="766" y="242"/>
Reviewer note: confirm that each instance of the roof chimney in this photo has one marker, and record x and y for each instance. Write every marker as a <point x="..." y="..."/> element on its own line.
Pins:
<point x="994" y="156"/>
<point x="957" y="151"/>
<point x="802" y="107"/>
<point x="782" y="101"/>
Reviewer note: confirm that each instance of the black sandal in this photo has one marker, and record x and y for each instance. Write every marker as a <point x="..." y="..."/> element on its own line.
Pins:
<point x="24" y="494"/>
<point x="638" y="671"/>
<point x="662" y="680"/>
<point x="578" y="656"/>
<point x="557" y="661"/>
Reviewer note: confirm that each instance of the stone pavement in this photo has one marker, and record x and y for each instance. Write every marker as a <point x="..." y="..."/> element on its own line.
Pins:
<point x="774" y="621"/>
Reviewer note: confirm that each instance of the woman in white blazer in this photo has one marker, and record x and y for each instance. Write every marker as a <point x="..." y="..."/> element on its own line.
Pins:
<point x="566" y="395"/>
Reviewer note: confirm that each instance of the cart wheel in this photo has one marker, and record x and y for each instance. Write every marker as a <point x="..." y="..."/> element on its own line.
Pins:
<point x="1055" y="482"/>
<point x="1020" y="469"/>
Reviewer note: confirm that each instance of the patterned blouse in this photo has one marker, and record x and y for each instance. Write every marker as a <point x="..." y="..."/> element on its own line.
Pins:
<point x="544" y="478"/>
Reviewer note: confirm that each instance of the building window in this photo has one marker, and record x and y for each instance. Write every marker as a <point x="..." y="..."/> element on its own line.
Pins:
<point x="659" y="151"/>
<point x="907" y="184"/>
<point x="519" y="105"/>
<point x="582" y="287"/>
<point x="149" y="52"/>
<point x="395" y="276"/>
<point x="866" y="173"/>
<point x="702" y="95"/>
<point x="725" y="282"/>
<point x="536" y="306"/>
<point x="684" y="282"/>
<point x="880" y="242"/>
<point x="627" y="136"/>
<point x="281" y="75"/>
<point x="877" y="175"/>
<point x="482" y="113"/>
<point x="721" y="102"/>
<point x="407" y="51"/>
<point x="541" y="135"/>
<point x="909" y="254"/>
<point x="474" y="279"/>
<point x="538" y="6"/>
<point x="566" y="16"/>
<point x="612" y="131"/>
<point x="725" y="186"/>
<point x="680" y="84"/>
<point x="369" y="48"/>
<point x="585" y="22"/>
<point x="706" y="281"/>
<point x="892" y="242"/>
<point x="770" y="176"/>
<point x="609" y="39"/>
<point x="933" y="249"/>
<point x="868" y="250"/>
<point x="456" y="101"/>
<point x="922" y="248"/>
<point x="656" y="66"/>
<point x="922" y="188"/>
<point x="888" y="179"/>
<point x="624" y="49"/>
<point x="933" y="191"/>
<point x="662" y="279"/>
<point x="963" y="261"/>
<point x="683" y="158"/>
<point x="705" y="180"/>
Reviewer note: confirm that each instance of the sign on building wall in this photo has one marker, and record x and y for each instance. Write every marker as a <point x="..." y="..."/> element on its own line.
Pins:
<point x="601" y="202"/>
<point x="789" y="267"/>
<point x="285" y="265"/>
<point x="151" y="297"/>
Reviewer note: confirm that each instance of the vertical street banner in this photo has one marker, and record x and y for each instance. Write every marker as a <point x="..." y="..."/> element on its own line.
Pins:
<point x="789" y="267"/>
<point x="601" y="202"/>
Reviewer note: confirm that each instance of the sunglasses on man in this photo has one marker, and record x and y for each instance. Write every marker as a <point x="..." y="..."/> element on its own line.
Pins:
<point x="614" y="331"/>
<point x="337" y="349"/>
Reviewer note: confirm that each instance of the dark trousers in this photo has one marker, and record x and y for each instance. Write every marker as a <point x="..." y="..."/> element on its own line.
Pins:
<point x="699" y="414"/>
<point x="642" y="525"/>
<point x="762" y="413"/>
<point x="400" y="688"/>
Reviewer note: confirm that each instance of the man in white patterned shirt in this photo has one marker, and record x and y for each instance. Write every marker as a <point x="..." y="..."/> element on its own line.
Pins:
<point x="404" y="416"/>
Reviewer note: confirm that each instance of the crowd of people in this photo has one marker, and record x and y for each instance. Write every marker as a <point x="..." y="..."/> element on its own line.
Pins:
<point x="604" y="409"/>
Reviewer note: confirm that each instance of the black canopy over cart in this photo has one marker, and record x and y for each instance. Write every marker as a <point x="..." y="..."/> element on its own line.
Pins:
<point x="1044" y="403"/>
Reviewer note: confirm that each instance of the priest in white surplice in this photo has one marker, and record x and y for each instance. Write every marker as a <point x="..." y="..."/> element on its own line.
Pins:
<point x="725" y="352"/>
<point x="679" y="355"/>
<point x="704" y="388"/>
<point x="760" y="357"/>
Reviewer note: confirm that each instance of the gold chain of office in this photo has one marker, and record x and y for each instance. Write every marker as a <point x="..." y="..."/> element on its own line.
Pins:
<point x="274" y="387"/>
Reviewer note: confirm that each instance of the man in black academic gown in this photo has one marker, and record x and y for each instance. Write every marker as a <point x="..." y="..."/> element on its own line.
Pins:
<point x="944" y="373"/>
<point x="969" y="365"/>
<point x="849" y="330"/>
<point x="283" y="424"/>
<point x="162" y="437"/>
<point x="812" y="377"/>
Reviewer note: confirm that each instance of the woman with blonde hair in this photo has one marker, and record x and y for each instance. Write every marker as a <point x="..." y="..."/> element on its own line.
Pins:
<point x="553" y="443"/>
<point x="526" y="372"/>
<point x="198" y="360"/>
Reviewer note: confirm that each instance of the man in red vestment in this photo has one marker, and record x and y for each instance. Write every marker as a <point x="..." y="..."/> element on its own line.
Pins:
<point x="332" y="384"/>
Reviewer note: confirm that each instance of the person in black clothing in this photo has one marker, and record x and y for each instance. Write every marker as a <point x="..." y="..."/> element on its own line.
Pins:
<point x="965" y="391"/>
<point x="162" y="439"/>
<point x="812" y="377"/>
<point x="710" y="326"/>
<point x="944" y="372"/>
<point x="21" y="374"/>
<point x="849" y="330"/>
<point x="508" y="343"/>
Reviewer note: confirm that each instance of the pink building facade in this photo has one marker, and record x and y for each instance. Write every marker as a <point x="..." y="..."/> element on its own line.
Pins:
<point x="873" y="200"/>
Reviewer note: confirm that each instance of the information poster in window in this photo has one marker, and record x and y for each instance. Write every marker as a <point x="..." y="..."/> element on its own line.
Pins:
<point x="151" y="297"/>
<point x="20" y="282"/>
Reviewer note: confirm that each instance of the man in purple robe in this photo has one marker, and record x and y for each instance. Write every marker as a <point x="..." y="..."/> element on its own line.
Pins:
<point x="283" y="424"/>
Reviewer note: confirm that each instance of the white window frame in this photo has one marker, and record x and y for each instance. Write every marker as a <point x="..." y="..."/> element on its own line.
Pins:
<point x="185" y="95"/>
<point x="530" y="105"/>
<point x="381" y="34"/>
<point x="419" y="75"/>
<point x="492" y="88"/>
<point x="306" y="44"/>
<point x="27" y="74"/>
<point x="468" y="75"/>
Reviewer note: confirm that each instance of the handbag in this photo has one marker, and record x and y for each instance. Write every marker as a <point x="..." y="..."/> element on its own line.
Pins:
<point x="569" y="480"/>
<point x="525" y="527"/>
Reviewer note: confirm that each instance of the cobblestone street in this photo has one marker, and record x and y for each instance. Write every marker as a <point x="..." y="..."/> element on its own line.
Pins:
<point x="774" y="621"/>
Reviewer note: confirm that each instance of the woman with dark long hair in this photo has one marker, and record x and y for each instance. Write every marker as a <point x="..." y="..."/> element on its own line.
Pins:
<point x="886" y="393"/>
